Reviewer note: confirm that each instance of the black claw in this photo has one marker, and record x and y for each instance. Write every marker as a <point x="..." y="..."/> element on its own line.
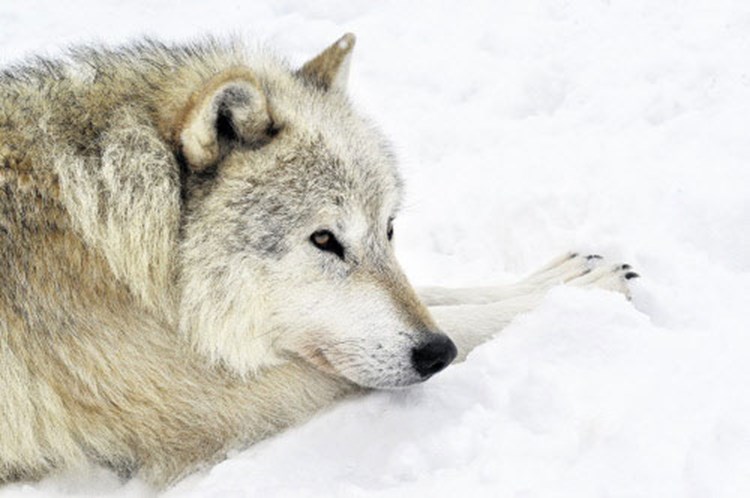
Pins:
<point x="625" y="267"/>
<point x="594" y="256"/>
<point x="631" y="274"/>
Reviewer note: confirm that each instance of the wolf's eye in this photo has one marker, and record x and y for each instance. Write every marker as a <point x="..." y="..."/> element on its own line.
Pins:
<point x="326" y="241"/>
<point x="389" y="232"/>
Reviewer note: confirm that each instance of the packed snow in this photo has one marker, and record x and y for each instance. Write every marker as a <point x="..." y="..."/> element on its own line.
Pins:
<point x="524" y="129"/>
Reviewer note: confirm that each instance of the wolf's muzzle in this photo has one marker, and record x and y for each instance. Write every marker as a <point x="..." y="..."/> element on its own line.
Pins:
<point x="433" y="355"/>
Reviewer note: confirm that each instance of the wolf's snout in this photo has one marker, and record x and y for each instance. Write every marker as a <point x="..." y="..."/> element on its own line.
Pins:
<point x="433" y="355"/>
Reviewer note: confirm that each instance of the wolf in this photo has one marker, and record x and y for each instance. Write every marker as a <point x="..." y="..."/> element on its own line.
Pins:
<point x="196" y="251"/>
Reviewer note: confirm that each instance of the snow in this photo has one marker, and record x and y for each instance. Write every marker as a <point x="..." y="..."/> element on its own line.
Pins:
<point x="525" y="128"/>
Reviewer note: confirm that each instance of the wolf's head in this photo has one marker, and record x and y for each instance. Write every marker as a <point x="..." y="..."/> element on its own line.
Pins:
<point x="288" y="238"/>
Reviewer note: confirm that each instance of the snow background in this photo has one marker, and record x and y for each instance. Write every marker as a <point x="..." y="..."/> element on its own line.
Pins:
<point x="525" y="128"/>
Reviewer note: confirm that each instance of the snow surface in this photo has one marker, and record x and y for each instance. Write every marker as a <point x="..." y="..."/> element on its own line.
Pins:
<point x="525" y="128"/>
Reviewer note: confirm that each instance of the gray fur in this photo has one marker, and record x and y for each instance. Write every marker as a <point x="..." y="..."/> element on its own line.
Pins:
<point x="160" y="299"/>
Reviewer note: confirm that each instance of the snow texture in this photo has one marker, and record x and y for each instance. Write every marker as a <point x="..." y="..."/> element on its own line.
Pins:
<point x="525" y="128"/>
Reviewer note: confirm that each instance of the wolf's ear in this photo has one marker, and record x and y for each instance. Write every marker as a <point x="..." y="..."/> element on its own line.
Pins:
<point x="330" y="69"/>
<point x="229" y="109"/>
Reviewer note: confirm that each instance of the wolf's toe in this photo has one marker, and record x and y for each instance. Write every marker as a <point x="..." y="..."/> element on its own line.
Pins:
<point x="608" y="277"/>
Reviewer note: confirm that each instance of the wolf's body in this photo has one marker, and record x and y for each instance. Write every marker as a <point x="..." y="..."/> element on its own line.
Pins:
<point x="162" y="299"/>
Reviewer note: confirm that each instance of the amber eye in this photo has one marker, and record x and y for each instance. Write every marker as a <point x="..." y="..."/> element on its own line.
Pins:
<point x="326" y="241"/>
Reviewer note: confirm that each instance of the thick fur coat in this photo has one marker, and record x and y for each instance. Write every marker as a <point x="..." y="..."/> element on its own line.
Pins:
<point x="195" y="252"/>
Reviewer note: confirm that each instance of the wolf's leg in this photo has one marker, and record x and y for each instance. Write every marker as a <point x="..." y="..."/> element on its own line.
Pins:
<point x="561" y="270"/>
<point x="469" y="325"/>
<point x="472" y="324"/>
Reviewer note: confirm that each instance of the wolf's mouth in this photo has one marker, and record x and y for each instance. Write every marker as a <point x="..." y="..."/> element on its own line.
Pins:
<point x="317" y="357"/>
<point x="422" y="360"/>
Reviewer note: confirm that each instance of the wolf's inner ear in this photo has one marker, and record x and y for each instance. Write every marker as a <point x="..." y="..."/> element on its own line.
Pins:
<point x="228" y="110"/>
<point x="330" y="69"/>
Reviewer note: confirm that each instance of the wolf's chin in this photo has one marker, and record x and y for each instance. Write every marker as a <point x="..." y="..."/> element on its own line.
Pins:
<point x="387" y="382"/>
<point x="391" y="386"/>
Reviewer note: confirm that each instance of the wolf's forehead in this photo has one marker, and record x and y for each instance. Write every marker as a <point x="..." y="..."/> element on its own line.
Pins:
<point x="342" y="164"/>
<point x="351" y="170"/>
<point x="331" y="148"/>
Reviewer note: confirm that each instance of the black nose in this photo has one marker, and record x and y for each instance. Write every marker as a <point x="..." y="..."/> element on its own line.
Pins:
<point x="433" y="355"/>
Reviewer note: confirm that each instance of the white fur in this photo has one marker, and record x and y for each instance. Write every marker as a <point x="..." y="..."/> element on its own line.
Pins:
<point x="163" y="311"/>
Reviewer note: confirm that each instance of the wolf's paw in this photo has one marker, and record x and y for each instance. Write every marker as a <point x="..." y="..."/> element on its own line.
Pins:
<point x="608" y="277"/>
<point x="567" y="267"/>
<point x="584" y="270"/>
